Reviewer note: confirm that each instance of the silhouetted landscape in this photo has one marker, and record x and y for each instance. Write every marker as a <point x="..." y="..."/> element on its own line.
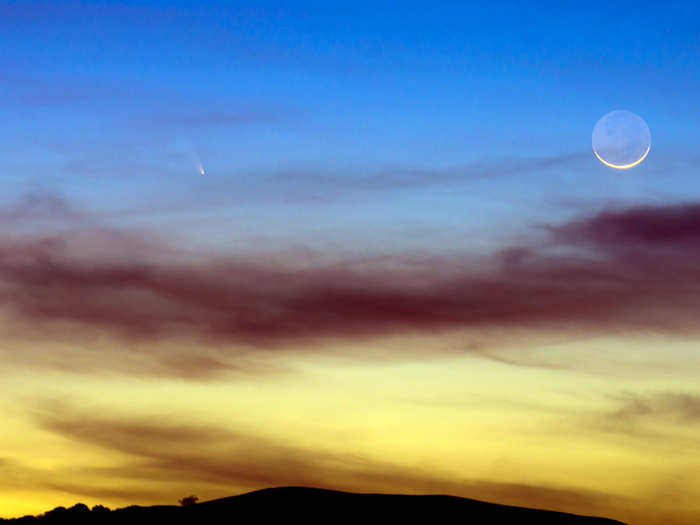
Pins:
<point x="316" y="506"/>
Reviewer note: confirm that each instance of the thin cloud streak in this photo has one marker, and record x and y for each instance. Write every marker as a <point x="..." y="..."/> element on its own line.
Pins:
<point x="326" y="186"/>
<point x="671" y="408"/>
<point x="220" y="117"/>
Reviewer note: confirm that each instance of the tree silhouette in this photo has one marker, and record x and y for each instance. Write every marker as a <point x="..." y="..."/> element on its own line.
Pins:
<point x="189" y="501"/>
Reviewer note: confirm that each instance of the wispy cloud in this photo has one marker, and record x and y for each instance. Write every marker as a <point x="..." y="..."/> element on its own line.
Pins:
<point x="660" y="420"/>
<point x="144" y="289"/>
<point x="327" y="184"/>
<point x="35" y="90"/>
<point x="224" y="117"/>
<point x="668" y="407"/>
<point x="645" y="227"/>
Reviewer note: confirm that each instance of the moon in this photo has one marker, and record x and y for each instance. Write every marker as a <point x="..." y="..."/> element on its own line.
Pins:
<point x="621" y="140"/>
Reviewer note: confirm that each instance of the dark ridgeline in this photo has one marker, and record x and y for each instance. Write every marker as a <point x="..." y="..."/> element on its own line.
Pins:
<point x="309" y="505"/>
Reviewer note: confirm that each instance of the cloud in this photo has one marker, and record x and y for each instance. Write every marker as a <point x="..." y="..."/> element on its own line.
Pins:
<point x="31" y="90"/>
<point x="679" y="408"/>
<point x="17" y="476"/>
<point x="323" y="185"/>
<point x="663" y="421"/>
<point x="676" y="226"/>
<point x="89" y="281"/>
<point x="220" y="118"/>
<point x="211" y="460"/>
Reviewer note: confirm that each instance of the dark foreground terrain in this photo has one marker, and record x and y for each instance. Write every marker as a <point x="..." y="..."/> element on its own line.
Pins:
<point x="307" y="505"/>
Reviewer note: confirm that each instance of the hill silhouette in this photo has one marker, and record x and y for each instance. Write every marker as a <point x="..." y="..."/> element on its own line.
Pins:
<point x="312" y="505"/>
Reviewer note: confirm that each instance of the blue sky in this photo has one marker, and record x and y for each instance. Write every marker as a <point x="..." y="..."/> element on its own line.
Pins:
<point x="352" y="121"/>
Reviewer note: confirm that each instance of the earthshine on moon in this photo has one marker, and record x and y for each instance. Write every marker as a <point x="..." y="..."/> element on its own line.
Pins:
<point x="621" y="140"/>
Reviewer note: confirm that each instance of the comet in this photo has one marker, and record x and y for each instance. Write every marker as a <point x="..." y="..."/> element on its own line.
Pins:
<point x="200" y="166"/>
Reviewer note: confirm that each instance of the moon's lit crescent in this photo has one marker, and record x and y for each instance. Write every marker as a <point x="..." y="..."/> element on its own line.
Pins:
<point x="624" y="166"/>
<point x="621" y="140"/>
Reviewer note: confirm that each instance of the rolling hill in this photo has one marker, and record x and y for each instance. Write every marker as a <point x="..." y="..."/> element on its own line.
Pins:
<point x="312" y="505"/>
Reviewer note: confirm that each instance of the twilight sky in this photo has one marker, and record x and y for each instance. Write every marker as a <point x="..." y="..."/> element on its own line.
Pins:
<point x="403" y="271"/>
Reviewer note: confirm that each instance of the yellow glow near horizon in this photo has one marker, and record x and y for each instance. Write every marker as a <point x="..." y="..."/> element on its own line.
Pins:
<point x="457" y="424"/>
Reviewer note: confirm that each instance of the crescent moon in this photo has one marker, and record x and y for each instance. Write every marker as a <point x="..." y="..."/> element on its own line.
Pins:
<point x="623" y="166"/>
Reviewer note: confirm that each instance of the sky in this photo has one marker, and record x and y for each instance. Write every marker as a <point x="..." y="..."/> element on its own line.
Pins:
<point x="403" y="269"/>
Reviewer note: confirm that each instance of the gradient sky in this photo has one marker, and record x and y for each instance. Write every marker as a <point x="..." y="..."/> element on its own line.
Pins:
<point x="403" y="271"/>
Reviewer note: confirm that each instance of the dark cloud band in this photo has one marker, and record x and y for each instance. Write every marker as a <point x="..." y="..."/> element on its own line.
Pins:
<point x="616" y="271"/>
